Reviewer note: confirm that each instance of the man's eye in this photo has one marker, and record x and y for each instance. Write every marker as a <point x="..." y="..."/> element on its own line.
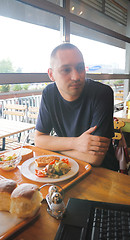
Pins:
<point x="80" y="68"/>
<point x="66" y="70"/>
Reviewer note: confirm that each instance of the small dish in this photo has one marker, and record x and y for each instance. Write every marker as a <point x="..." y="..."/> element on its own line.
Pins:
<point x="9" y="163"/>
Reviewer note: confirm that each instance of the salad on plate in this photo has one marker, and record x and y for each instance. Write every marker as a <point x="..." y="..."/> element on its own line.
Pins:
<point x="54" y="169"/>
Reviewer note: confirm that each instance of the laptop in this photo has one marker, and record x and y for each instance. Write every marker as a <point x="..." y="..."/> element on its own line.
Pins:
<point x="93" y="220"/>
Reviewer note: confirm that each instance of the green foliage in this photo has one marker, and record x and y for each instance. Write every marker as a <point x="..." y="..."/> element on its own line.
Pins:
<point x="19" y="70"/>
<point x="5" y="88"/>
<point x="119" y="81"/>
<point x="25" y="86"/>
<point x="17" y="87"/>
<point x="6" y="66"/>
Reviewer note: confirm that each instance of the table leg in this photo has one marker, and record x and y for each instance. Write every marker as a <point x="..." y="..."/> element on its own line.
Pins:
<point x="3" y="144"/>
<point x="19" y="137"/>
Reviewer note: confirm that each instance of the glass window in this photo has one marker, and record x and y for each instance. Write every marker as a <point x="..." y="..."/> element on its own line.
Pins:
<point x="99" y="57"/>
<point x="113" y="10"/>
<point x="94" y="12"/>
<point x="57" y="2"/>
<point x="28" y="36"/>
<point x="25" y="47"/>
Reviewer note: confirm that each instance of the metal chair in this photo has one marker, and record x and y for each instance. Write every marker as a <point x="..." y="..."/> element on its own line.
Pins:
<point x="32" y="118"/>
<point x="12" y="112"/>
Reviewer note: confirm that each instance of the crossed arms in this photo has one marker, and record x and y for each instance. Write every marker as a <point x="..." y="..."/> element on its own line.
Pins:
<point x="86" y="147"/>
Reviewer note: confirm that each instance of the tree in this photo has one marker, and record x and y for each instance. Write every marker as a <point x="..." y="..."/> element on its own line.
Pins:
<point x="25" y="86"/>
<point x="6" y="66"/>
<point x="17" y="87"/>
<point x="19" y="70"/>
<point x="5" y="88"/>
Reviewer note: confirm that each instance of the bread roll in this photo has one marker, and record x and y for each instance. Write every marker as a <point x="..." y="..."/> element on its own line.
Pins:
<point x="26" y="153"/>
<point x="25" y="200"/>
<point x="6" y="188"/>
<point x="43" y="161"/>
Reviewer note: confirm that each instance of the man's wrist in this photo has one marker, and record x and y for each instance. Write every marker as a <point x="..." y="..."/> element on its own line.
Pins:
<point x="73" y="143"/>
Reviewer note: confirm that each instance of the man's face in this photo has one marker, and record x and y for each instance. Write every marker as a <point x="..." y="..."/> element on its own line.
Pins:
<point x="68" y="72"/>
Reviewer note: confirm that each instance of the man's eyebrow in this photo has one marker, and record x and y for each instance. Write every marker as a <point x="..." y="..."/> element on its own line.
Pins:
<point x="65" y="65"/>
<point x="70" y="65"/>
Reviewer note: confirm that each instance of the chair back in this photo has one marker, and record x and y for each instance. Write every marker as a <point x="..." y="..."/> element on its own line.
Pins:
<point x="15" y="112"/>
<point x="32" y="114"/>
<point x="119" y="95"/>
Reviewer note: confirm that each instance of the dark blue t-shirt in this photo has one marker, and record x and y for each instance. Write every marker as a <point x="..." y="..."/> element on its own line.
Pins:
<point x="71" y="119"/>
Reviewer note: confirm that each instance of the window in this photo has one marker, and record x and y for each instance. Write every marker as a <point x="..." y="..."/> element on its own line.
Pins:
<point x="25" y="47"/>
<point x="32" y="31"/>
<point x="116" y="10"/>
<point x="100" y="57"/>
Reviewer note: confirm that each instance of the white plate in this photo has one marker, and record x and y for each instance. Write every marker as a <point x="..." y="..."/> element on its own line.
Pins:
<point x="29" y="166"/>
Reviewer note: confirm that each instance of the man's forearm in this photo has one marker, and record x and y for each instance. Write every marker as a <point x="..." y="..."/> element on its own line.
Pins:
<point x="53" y="143"/>
<point x="95" y="160"/>
<point x="86" y="147"/>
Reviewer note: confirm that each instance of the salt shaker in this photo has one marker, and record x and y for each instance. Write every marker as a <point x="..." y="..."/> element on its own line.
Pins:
<point x="55" y="203"/>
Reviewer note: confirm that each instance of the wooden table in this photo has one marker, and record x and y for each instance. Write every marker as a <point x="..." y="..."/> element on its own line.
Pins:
<point x="100" y="184"/>
<point x="118" y="104"/>
<point x="10" y="127"/>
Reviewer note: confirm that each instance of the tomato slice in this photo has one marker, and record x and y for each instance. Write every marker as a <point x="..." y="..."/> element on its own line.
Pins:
<point x="40" y="173"/>
<point x="65" y="160"/>
<point x="52" y="162"/>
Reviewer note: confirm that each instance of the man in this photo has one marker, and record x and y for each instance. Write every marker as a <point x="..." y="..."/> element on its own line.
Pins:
<point x="80" y="111"/>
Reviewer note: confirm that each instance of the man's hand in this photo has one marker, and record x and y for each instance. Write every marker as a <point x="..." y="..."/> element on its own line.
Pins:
<point x="91" y="144"/>
<point x="86" y="147"/>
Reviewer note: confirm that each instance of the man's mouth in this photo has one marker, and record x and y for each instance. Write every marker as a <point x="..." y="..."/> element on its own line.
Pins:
<point x="75" y="85"/>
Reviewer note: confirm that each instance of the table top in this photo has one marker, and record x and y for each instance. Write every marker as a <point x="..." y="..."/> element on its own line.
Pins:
<point x="11" y="127"/>
<point x="118" y="102"/>
<point x="100" y="185"/>
<point x="122" y="115"/>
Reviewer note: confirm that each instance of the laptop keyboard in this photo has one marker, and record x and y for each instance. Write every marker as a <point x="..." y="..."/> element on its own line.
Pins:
<point x="110" y="225"/>
<point x="93" y="220"/>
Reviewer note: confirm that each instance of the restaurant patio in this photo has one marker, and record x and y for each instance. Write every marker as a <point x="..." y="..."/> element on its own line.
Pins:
<point x="30" y="29"/>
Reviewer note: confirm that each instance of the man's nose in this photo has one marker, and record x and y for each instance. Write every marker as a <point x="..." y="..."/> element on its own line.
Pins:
<point x="75" y="75"/>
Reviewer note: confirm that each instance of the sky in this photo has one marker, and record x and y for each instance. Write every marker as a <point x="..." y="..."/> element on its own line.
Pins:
<point x="28" y="46"/>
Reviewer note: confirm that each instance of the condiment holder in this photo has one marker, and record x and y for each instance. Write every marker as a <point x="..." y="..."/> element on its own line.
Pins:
<point x="54" y="198"/>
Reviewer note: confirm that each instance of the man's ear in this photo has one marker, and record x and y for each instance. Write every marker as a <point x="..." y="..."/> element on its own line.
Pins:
<point x="50" y="74"/>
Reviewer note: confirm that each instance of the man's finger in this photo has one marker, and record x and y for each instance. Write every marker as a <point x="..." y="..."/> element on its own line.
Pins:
<point x="100" y="139"/>
<point x="92" y="129"/>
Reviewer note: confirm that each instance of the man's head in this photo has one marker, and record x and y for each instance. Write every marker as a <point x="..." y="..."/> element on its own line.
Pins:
<point x="67" y="70"/>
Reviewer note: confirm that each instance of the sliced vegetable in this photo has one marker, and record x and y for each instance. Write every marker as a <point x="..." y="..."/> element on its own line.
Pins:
<point x="40" y="173"/>
<point x="54" y="169"/>
<point x="65" y="160"/>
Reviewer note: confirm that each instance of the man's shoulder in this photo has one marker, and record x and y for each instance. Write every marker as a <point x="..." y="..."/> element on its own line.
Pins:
<point x="49" y="89"/>
<point x="98" y="86"/>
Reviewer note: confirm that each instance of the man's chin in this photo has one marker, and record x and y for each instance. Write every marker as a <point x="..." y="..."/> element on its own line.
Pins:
<point x="76" y="90"/>
<point x="75" y="94"/>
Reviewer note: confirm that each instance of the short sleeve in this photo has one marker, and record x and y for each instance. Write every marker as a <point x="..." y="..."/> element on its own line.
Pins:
<point x="44" y="120"/>
<point x="103" y="113"/>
